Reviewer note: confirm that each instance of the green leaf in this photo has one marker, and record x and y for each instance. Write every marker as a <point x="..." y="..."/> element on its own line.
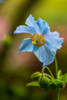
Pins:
<point x="34" y="83"/>
<point x="64" y="78"/>
<point x="8" y="40"/>
<point x="18" y="89"/>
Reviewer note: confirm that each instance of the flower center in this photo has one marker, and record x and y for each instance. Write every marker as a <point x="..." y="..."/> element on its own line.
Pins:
<point x="38" y="40"/>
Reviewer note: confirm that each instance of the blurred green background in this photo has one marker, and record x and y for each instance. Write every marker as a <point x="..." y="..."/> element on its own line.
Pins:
<point x="16" y="69"/>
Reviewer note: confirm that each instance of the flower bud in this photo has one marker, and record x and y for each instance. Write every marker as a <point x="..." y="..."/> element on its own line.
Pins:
<point x="56" y="83"/>
<point x="53" y="84"/>
<point x="44" y="82"/>
<point x="36" y="75"/>
<point x="61" y="84"/>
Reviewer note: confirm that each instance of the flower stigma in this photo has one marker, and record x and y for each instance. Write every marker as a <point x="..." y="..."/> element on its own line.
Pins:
<point x="38" y="40"/>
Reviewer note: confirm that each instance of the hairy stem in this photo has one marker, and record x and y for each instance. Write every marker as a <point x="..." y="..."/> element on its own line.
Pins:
<point x="47" y="75"/>
<point x="57" y="89"/>
<point x="48" y="70"/>
<point x="57" y="93"/>
<point x="56" y="66"/>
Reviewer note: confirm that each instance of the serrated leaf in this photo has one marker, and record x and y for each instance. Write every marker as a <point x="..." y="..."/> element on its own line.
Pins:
<point x="64" y="78"/>
<point x="34" y="83"/>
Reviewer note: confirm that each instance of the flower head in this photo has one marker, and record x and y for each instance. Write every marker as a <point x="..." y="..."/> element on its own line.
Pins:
<point x="42" y="43"/>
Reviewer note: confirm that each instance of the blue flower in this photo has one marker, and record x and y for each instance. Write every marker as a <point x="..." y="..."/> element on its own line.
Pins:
<point x="42" y="43"/>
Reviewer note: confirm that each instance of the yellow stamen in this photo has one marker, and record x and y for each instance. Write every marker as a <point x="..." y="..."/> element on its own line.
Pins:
<point x="38" y="40"/>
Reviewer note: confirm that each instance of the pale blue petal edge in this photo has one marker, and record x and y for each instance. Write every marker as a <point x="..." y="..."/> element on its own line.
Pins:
<point x="31" y="22"/>
<point x="24" y="29"/>
<point x="45" y="55"/>
<point x="43" y="26"/>
<point x="53" y="41"/>
<point x="26" y="45"/>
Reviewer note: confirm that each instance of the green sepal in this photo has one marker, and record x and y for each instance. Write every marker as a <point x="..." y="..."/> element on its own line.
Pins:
<point x="59" y="73"/>
<point x="44" y="82"/>
<point x="36" y="75"/>
<point x="64" y="78"/>
<point x="34" y="83"/>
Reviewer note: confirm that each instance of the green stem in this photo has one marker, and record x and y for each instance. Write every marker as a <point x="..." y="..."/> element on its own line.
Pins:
<point x="57" y="89"/>
<point x="47" y="75"/>
<point x="56" y="66"/>
<point x="57" y="93"/>
<point x="48" y="70"/>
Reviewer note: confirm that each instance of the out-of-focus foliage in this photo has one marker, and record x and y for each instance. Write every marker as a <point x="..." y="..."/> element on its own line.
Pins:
<point x="15" y="69"/>
<point x="54" y="11"/>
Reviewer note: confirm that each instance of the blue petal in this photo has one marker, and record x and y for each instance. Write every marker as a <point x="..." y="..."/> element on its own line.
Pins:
<point x="35" y="48"/>
<point x="45" y="55"/>
<point x="26" y="45"/>
<point x="53" y="41"/>
<point x="31" y="22"/>
<point x="43" y="26"/>
<point x="24" y="29"/>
